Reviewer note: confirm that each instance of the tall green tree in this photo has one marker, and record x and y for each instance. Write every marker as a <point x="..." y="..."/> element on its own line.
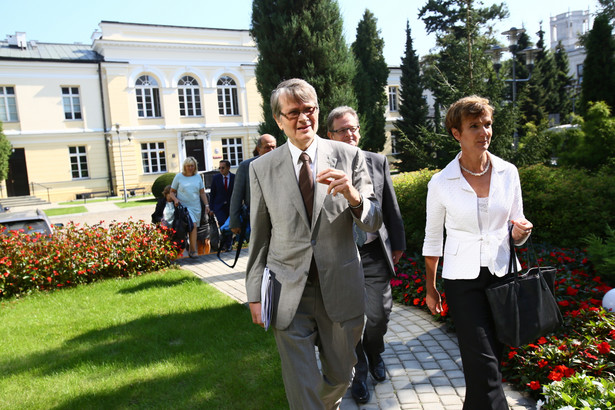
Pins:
<point x="370" y="82"/>
<point x="565" y="84"/>
<point x="461" y="65"/>
<point x="301" y="39"/>
<point x="413" y="110"/>
<point x="599" y="66"/>
<point x="5" y="154"/>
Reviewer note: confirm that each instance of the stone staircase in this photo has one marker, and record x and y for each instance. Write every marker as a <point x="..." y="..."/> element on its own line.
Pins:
<point x="18" y="201"/>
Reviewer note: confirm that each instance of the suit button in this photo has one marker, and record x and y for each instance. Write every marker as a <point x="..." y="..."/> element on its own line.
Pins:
<point x="313" y="242"/>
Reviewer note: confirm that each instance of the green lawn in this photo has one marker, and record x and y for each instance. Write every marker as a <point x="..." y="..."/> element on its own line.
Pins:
<point x="159" y="341"/>
<point x="138" y="202"/>
<point x="66" y="210"/>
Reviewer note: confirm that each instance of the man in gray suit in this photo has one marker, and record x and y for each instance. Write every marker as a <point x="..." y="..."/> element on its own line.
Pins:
<point x="319" y="296"/>
<point x="241" y="190"/>
<point x="380" y="251"/>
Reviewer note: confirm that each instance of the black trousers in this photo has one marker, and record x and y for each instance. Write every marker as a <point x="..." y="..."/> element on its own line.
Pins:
<point x="481" y="352"/>
<point x="378" y="305"/>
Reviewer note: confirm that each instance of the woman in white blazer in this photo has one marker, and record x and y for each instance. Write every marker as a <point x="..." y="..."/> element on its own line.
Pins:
<point x="475" y="198"/>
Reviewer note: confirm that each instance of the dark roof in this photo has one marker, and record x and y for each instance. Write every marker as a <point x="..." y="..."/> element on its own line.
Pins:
<point x="79" y="53"/>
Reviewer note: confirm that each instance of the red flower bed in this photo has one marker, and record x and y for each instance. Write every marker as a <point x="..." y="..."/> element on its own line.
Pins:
<point x="74" y="255"/>
<point x="586" y="341"/>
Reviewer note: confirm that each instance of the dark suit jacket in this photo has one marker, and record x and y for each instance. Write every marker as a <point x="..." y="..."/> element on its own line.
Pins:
<point x="283" y="239"/>
<point x="220" y="198"/>
<point x="241" y="192"/>
<point x="391" y="234"/>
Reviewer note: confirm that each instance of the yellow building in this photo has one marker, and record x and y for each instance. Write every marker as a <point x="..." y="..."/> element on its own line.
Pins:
<point x="136" y="102"/>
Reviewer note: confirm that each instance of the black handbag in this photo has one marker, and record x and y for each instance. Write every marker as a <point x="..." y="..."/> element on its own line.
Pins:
<point x="523" y="304"/>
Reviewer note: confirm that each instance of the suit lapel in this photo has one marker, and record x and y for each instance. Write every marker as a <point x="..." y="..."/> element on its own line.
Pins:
<point x="289" y="182"/>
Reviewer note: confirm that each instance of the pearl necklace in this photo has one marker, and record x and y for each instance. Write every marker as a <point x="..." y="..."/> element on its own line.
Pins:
<point x="476" y="174"/>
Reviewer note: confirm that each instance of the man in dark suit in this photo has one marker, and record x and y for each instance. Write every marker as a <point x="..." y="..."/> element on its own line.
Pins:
<point x="304" y="199"/>
<point x="380" y="251"/>
<point x="241" y="190"/>
<point x="220" y="195"/>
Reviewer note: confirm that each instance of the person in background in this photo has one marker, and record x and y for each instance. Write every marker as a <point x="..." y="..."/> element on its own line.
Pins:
<point x="241" y="189"/>
<point x="220" y="194"/>
<point x="380" y="251"/>
<point x="304" y="199"/>
<point x="169" y="210"/>
<point x="188" y="189"/>
<point x="475" y="198"/>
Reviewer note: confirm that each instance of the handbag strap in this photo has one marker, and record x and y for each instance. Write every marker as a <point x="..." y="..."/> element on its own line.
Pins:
<point x="512" y="266"/>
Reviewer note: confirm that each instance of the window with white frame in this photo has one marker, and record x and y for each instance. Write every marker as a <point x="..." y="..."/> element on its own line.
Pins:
<point x="148" y="97"/>
<point x="8" y="104"/>
<point x="78" y="162"/>
<point x="154" y="157"/>
<point x="71" y="103"/>
<point x="394" y="148"/>
<point x="393" y="99"/>
<point x="189" y="97"/>
<point x="227" y="96"/>
<point x="232" y="150"/>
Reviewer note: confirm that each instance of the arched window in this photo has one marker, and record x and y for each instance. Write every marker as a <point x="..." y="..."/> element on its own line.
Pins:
<point x="148" y="97"/>
<point x="227" y="96"/>
<point x="189" y="97"/>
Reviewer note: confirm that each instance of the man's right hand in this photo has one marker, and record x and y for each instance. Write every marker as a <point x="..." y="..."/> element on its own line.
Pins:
<point x="255" y="310"/>
<point x="236" y="231"/>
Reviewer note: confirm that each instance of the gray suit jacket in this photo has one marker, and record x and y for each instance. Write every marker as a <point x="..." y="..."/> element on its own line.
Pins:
<point x="391" y="234"/>
<point x="283" y="240"/>
<point x="241" y="192"/>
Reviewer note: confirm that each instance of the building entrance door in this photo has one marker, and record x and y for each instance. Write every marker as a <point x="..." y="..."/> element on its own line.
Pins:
<point x="194" y="148"/>
<point x="17" y="183"/>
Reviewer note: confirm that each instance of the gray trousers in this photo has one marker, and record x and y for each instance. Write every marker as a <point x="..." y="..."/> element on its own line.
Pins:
<point x="379" y="302"/>
<point x="306" y="387"/>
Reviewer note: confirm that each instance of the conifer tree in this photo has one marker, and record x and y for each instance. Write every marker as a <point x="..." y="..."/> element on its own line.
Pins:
<point x="5" y="154"/>
<point x="301" y="39"/>
<point x="370" y="83"/>
<point x="564" y="83"/>
<point x="413" y="110"/>
<point x="599" y="66"/>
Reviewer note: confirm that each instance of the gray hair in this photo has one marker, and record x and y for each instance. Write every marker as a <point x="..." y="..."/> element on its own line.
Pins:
<point x="295" y="89"/>
<point x="338" y="113"/>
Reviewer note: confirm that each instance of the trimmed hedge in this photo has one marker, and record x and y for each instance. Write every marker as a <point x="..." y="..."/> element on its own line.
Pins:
<point x="565" y="205"/>
<point x="160" y="182"/>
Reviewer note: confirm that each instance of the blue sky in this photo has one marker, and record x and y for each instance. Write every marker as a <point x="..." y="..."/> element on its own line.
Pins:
<point x="69" y="21"/>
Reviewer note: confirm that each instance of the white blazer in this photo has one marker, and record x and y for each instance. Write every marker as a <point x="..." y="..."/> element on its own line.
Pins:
<point x="452" y="204"/>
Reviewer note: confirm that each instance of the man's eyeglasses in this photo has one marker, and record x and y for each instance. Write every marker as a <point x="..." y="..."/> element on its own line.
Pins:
<point x="343" y="131"/>
<point x="294" y="114"/>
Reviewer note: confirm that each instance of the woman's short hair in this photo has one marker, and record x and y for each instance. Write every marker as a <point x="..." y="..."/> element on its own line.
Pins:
<point x="295" y="89"/>
<point x="188" y="161"/>
<point x="471" y="106"/>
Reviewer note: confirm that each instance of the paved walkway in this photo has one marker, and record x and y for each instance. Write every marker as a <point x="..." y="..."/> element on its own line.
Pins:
<point x="422" y="358"/>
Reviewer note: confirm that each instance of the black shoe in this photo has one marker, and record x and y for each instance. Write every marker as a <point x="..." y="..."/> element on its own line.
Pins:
<point x="378" y="370"/>
<point x="359" y="391"/>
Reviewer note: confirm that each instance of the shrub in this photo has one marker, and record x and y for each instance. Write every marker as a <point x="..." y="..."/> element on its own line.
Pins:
<point x="579" y="392"/>
<point x="75" y="255"/>
<point x="411" y="191"/>
<point x="602" y="254"/>
<point x="566" y="205"/>
<point x="160" y="182"/>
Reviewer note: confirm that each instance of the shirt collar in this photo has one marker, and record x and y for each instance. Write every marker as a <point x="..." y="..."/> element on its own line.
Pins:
<point x="311" y="151"/>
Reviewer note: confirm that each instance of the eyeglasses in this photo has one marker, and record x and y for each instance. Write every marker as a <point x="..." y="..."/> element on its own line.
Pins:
<point x="294" y="114"/>
<point x="343" y="131"/>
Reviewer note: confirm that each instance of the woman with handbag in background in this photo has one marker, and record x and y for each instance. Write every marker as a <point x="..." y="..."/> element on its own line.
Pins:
<point x="475" y="198"/>
<point x="189" y="189"/>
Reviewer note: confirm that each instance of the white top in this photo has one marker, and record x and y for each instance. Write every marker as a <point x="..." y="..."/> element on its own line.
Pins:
<point x="483" y="223"/>
<point x="452" y="205"/>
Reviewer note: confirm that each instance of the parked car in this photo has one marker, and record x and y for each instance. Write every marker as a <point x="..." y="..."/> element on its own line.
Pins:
<point x="30" y="221"/>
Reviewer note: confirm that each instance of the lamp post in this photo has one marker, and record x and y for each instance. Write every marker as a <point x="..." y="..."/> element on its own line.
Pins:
<point x="119" y="144"/>
<point x="530" y="53"/>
